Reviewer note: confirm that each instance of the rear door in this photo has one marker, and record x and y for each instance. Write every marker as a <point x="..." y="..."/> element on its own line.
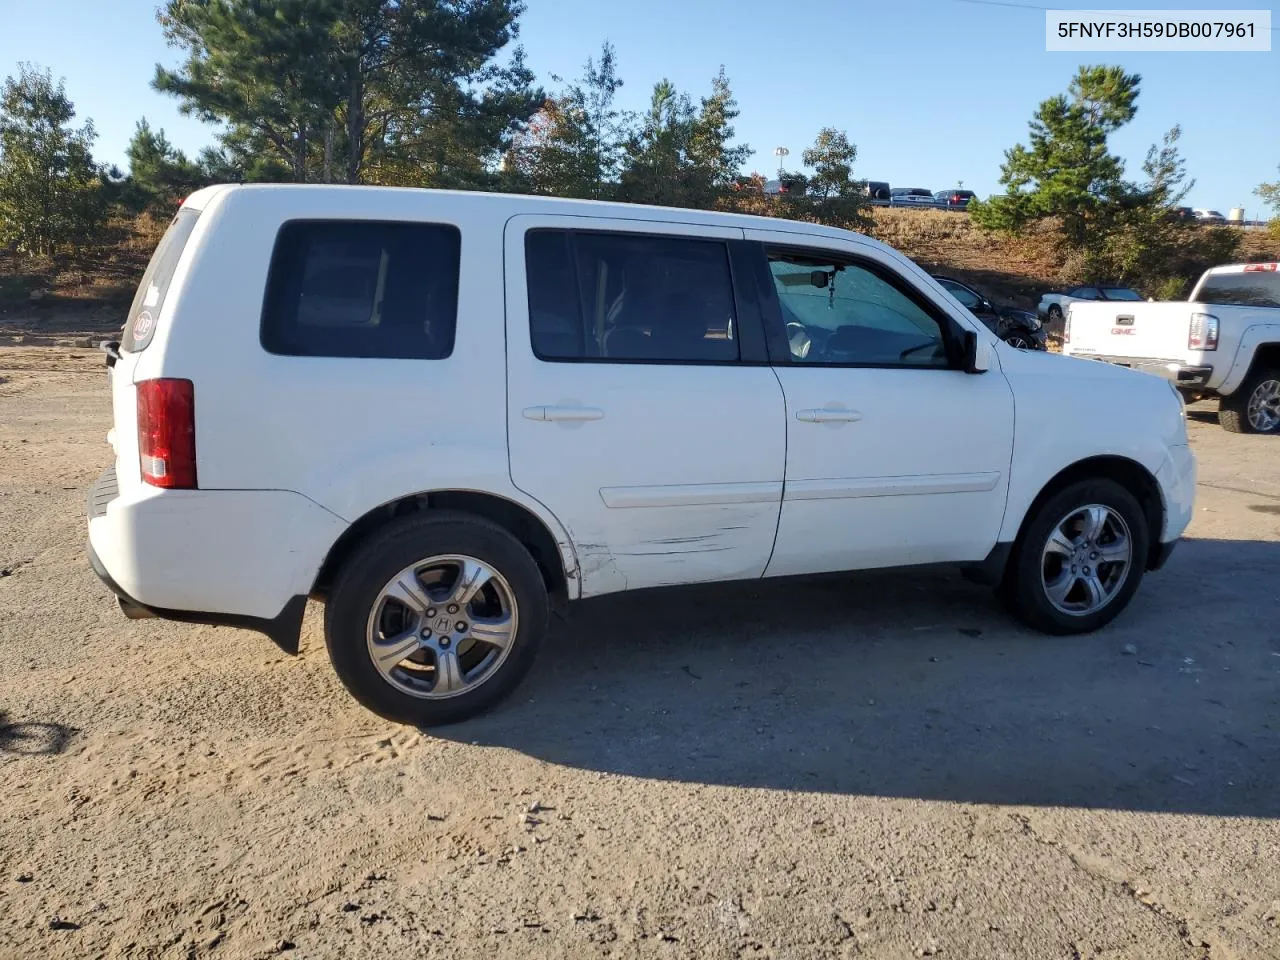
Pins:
<point x="642" y="410"/>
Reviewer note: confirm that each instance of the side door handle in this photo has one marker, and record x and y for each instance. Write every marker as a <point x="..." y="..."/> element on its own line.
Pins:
<point x="825" y="415"/>
<point x="562" y="413"/>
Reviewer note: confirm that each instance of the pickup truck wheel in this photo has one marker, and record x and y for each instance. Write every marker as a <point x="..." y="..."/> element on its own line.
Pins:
<point x="1255" y="407"/>
<point x="1080" y="559"/>
<point x="435" y="618"/>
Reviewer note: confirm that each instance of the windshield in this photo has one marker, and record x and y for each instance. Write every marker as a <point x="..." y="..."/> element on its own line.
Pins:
<point x="1120" y="293"/>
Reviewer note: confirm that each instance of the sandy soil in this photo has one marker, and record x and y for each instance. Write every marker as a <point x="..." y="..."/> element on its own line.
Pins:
<point x="877" y="766"/>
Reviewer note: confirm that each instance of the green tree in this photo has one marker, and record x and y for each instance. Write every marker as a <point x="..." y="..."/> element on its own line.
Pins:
<point x="1067" y="171"/>
<point x="573" y="146"/>
<point x="835" y="195"/>
<point x="160" y="175"/>
<point x="365" y="91"/>
<point x="1270" y="194"/>
<point x="682" y="156"/>
<point x="51" y="193"/>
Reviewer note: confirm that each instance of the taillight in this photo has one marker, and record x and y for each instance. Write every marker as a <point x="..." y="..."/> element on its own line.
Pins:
<point x="1261" y="267"/>
<point x="167" y="433"/>
<point x="1203" y="332"/>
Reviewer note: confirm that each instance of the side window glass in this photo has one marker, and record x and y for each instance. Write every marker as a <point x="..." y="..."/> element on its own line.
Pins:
<point x="963" y="294"/>
<point x="619" y="297"/>
<point x="362" y="289"/>
<point x="843" y="313"/>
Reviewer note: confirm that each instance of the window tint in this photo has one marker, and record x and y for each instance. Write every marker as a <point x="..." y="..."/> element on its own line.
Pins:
<point x="845" y="313"/>
<point x="362" y="289"/>
<point x="617" y="296"/>
<point x="1120" y="293"/>
<point x="1084" y="293"/>
<point x="1259" y="288"/>
<point x="145" y="310"/>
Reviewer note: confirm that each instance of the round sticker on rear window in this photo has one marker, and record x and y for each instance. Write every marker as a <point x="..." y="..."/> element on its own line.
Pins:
<point x="142" y="325"/>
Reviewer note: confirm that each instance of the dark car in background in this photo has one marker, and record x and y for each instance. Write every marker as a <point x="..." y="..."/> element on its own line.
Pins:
<point x="954" y="198"/>
<point x="1018" y="328"/>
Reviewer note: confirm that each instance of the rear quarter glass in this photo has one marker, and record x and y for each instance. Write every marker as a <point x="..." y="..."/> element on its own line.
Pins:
<point x="140" y="326"/>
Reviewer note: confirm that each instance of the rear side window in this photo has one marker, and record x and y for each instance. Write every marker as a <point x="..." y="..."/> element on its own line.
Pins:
<point x="1259" y="288"/>
<point x="363" y="289"/>
<point x="140" y="326"/>
<point x="630" y="297"/>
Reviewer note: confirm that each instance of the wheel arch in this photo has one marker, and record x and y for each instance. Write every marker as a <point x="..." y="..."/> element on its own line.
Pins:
<point x="1130" y="474"/>
<point x="553" y="556"/>
<point x="1266" y="356"/>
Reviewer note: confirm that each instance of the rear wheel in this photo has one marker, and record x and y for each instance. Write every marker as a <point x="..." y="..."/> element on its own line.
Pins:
<point x="1255" y="407"/>
<point x="435" y="618"/>
<point x="1080" y="559"/>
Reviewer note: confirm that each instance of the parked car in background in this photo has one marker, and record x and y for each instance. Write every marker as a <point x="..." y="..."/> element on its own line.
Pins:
<point x="1223" y="342"/>
<point x="1018" y="328"/>
<point x="1209" y="216"/>
<point x="954" y="198"/>
<point x="1053" y="305"/>
<point x="500" y="404"/>
<point x="878" y="190"/>
<point x="910" y="196"/>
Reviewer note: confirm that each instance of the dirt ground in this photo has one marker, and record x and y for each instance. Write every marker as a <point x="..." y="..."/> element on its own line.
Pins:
<point x="875" y="766"/>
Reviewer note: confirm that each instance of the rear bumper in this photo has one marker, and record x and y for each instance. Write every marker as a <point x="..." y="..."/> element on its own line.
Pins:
<point x="239" y="557"/>
<point x="1175" y="371"/>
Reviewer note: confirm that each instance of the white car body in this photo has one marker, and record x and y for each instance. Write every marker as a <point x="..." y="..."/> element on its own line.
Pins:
<point x="1204" y="345"/>
<point x="635" y="475"/>
<point x="1077" y="294"/>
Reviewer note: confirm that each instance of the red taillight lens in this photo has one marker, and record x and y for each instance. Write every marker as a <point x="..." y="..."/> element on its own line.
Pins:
<point x="1203" y="332"/>
<point x="167" y="433"/>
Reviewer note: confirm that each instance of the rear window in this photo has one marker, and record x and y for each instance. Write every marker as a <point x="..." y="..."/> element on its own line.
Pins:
<point x="1120" y="293"/>
<point x="140" y="326"/>
<point x="363" y="289"/>
<point x="1255" y="289"/>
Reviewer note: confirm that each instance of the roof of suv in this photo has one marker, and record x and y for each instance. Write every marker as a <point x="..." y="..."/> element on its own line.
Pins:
<point x="207" y="197"/>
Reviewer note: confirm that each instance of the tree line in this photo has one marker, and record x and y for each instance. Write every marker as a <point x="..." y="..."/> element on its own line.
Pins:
<point x="437" y="93"/>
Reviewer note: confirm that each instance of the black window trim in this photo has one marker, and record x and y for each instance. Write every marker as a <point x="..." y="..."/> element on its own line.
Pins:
<point x="952" y="330"/>
<point x="267" y="289"/>
<point x="752" y="348"/>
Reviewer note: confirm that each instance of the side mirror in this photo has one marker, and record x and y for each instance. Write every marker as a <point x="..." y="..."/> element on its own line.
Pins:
<point x="977" y="353"/>
<point x="986" y="306"/>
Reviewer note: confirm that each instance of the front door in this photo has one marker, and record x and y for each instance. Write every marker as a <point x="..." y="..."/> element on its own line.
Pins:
<point x="635" y="413"/>
<point x="895" y="456"/>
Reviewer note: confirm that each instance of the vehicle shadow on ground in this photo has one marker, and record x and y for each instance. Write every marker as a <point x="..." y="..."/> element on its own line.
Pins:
<point x="34" y="739"/>
<point x="918" y="685"/>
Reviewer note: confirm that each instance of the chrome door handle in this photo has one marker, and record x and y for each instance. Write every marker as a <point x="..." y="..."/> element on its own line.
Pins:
<point x="553" y="412"/>
<point x="824" y="415"/>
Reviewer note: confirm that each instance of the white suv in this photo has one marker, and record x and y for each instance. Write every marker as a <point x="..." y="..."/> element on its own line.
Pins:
<point x="442" y="412"/>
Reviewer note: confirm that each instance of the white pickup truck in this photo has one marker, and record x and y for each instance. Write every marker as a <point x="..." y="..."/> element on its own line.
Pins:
<point x="1224" y="342"/>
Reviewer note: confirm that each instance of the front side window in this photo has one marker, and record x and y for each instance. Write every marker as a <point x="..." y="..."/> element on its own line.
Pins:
<point x="362" y="289"/>
<point x="629" y="297"/>
<point x="1084" y="293"/>
<point x="846" y="313"/>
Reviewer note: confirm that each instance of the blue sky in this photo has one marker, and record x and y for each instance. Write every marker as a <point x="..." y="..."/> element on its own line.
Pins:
<point x="931" y="91"/>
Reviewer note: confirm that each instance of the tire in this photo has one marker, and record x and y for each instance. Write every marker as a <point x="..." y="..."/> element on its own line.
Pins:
<point x="408" y="691"/>
<point x="1030" y="568"/>
<point x="1055" y="316"/>
<point x="1233" y="411"/>
<point x="1019" y="342"/>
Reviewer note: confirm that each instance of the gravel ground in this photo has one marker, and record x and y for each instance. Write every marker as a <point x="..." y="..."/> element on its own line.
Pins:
<point x="879" y="766"/>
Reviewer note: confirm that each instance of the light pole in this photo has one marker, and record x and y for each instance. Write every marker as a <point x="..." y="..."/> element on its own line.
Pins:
<point x="781" y="153"/>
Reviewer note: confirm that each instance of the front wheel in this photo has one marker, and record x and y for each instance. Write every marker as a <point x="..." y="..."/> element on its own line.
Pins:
<point x="1080" y="559"/>
<point x="1255" y="407"/>
<point x="1020" y="341"/>
<point x="435" y="618"/>
<point x="1055" y="317"/>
